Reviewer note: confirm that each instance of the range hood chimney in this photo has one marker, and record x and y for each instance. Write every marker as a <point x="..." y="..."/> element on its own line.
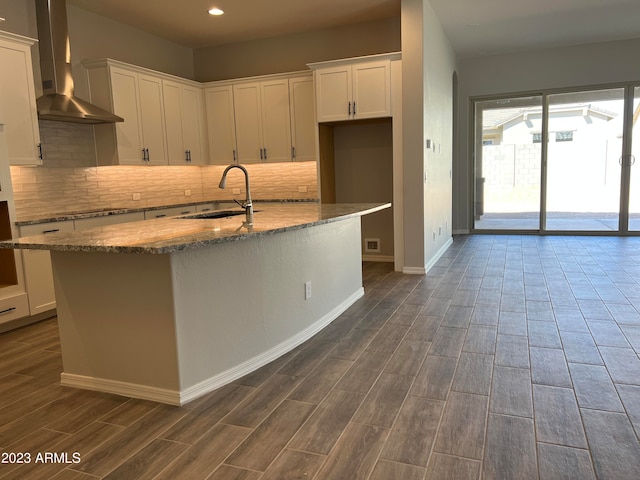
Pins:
<point x="58" y="102"/>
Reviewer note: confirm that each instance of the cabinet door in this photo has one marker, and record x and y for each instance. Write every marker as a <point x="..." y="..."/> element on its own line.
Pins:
<point x="372" y="89"/>
<point x="124" y="88"/>
<point x="221" y="125"/>
<point x="275" y="121"/>
<point x="193" y="124"/>
<point x="37" y="268"/>
<point x="303" y="124"/>
<point x="152" y="119"/>
<point x="173" y="122"/>
<point x="334" y="92"/>
<point x="18" y="104"/>
<point x="246" y="100"/>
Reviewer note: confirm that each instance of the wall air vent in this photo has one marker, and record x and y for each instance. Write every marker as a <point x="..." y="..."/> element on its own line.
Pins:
<point x="372" y="245"/>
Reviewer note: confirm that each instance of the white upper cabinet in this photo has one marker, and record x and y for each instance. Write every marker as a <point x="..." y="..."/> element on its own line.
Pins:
<point x="152" y="130"/>
<point x="371" y="89"/>
<point x="261" y="119"/>
<point x="137" y="96"/>
<point x="165" y="116"/>
<point x="303" y="125"/>
<point x="246" y="101"/>
<point x="18" y="100"/>
<point x="221" y="124"/>
<point x="353" y="89"/>
<point x="334" y="93"/>
<point x="185" y="123"/>
<point x="263" y="127"/>
<point x="124" y="100"/>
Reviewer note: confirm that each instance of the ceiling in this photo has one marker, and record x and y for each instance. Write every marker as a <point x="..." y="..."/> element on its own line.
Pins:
<point x="474" y="27"/>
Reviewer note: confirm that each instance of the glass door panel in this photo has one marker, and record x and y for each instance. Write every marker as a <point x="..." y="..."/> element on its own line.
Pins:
<point x="632" y="162"/>
<point x="584" y="152"/>
<point x="508" y="164"/>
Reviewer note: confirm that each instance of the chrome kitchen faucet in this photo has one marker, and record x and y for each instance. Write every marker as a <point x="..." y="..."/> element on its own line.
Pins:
<point x="247" y="205"/>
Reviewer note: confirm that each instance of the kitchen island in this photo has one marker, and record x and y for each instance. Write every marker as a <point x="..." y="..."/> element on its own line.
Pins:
<point x="173" y="308"/>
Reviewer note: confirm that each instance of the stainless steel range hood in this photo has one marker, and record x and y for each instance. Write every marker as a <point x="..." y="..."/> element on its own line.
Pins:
<point x="58" y="102"/>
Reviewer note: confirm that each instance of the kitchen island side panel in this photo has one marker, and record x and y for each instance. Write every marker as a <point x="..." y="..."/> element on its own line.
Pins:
<point x="117" y="322"/>
<point x="242" y="304"/>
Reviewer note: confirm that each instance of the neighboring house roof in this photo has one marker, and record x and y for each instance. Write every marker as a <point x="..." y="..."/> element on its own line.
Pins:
<point x="494" y="119"/>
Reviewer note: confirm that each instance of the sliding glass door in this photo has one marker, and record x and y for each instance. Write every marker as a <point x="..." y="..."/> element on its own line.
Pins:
<point x="631" y="162"/>
<point x="583" y="160"/>
<point x="558" y="162"/>
<point x="508" y="164"/>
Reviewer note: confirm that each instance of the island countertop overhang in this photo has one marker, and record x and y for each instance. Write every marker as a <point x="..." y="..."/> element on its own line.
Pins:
<point x="166" y="235"/>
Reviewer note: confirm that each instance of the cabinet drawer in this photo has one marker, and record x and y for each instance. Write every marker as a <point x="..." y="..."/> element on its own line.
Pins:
<point x="14" y="307"/>
<point x="206" y="207"/>
<point x="169" y="212"/>
<point x="44" y="228"/>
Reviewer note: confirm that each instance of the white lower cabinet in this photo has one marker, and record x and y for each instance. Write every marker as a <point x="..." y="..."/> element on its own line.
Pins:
<point x="169" y="212"/>
<point x="205" y="207"/>
<point x="15" y="306"/>
<point x="83" y="223"/>
<point x="37" y="268"/>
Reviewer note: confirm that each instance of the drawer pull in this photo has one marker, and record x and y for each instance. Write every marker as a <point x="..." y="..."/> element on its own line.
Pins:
<point x="161" y="215"/>
<point x="53" y="230"/>
<point x="7" y="310"/>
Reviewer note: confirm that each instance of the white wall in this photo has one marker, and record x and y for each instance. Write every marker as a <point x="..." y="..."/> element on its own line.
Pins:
<point x="428" y="65"/>
<point x="530" y="72"/>
<point x="20" y="17"/>
<point x="94" y="36"/>
<point x="292" y="52"/>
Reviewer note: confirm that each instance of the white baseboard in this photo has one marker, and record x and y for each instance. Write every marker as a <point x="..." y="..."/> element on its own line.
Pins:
<point x="414" y="270"/>
<point x="432" y="261"/>
<point x="175" y="397"/>
<point x="378" y="258"/>
<point x="171" y="397"/>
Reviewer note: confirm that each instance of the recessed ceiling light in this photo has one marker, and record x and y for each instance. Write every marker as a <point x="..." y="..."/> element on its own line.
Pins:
<point x="216" y="11"/>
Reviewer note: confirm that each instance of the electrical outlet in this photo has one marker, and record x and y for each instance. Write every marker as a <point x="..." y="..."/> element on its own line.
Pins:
<point x="236" y="191"/>
<point x="187" y="193"/>
<point x="302" y="189"/>
<point x="136" y="196"/>
<point x="307" y="290"/>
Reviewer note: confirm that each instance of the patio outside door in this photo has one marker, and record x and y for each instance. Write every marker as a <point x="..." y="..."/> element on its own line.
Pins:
<point x="561" y="162"/>
<point x="583" y="160"/>
<point x="631" y="162"/>
<point x="508" y="160"/>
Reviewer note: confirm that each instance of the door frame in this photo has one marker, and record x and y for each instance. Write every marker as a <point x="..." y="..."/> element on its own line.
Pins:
<point x="625" y="176"/>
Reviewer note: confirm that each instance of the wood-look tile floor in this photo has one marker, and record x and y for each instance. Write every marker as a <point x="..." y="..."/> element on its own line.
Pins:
<point x="516" y="357"/>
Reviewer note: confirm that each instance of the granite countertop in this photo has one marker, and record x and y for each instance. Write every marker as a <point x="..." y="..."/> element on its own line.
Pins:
<point x="170" y="234"/>
<point x="35" y="220"/>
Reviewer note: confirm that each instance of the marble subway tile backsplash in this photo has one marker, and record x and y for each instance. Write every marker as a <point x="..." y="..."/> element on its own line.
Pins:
<point x="44" y="191"/>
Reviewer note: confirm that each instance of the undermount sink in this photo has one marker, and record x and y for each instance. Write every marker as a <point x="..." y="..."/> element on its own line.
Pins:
<point x="214" y="214"/>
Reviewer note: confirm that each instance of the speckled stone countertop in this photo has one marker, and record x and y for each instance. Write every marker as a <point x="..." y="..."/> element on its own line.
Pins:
<point x="166" y="235"/>
<point x="107" y="212"/>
